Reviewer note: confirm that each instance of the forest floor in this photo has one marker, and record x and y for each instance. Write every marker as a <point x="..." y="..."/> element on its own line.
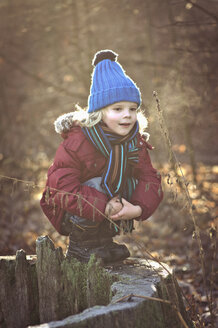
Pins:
<point x="168" y="236"/>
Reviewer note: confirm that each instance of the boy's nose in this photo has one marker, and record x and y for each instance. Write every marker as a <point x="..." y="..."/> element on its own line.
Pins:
<point x="127" y="113"/>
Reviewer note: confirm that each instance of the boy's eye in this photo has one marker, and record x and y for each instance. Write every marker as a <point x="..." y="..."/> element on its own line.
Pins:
<point x="117" y="109"/>
<point x="133" y="109"/>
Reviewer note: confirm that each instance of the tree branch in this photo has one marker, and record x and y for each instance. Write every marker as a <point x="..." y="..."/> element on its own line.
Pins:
<point x="205" y="11"/>
<point x="39" y="79"/>
<point x="183" y="24"/>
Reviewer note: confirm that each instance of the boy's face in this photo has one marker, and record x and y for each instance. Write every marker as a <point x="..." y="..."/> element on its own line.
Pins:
<point x="120" y="117"/>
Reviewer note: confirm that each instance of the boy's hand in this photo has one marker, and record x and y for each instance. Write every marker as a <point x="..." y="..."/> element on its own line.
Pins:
<point x="128" y="212"/>
<point x="113" y="206"/>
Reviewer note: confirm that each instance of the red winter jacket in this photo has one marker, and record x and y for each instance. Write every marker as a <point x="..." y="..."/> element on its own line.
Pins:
<point x="77" y="161"/>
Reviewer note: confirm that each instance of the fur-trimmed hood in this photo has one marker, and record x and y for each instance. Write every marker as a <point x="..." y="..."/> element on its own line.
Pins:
<point x="65" y="122"/>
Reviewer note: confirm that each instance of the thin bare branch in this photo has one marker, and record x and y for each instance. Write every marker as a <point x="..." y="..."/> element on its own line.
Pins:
<point x="39" y="79"/>
<point x="177" y="165"/>
<point x="128" y="297"/>
<point x="202" y="9"/>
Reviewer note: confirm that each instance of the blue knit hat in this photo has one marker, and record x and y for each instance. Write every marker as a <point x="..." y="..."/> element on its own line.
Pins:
<point x="110" y="84"/>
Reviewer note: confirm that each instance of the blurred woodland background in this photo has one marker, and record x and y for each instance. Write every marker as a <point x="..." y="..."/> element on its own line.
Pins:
<point x="170" y="46"/>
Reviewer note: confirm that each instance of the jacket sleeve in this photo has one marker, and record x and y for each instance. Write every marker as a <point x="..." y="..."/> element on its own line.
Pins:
<point x="66" y="190"/>
<point x="148" y="193"/>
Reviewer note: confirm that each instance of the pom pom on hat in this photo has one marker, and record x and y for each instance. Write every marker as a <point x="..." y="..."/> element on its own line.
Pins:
<point x="110" y="84"/>
<point x="104" y="54"/>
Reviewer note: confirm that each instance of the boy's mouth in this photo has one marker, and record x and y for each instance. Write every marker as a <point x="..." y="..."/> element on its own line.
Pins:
<point x="125" y="124"/>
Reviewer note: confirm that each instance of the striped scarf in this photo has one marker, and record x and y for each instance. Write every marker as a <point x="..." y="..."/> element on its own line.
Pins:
<point x="121" y="154"/>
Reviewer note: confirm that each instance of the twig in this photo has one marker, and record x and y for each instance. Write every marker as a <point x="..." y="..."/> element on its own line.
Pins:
<point x="141" y="296"/>
<point x="140" y="246"/>
<point x="154" y="299"/>
<point x="173" y="157"/>
<point x="37" y="78"/>
<point x="205" y="11"/>
<point x="62" y="193"/>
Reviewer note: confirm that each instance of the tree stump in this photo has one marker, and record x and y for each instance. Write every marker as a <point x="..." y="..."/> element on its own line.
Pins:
<point x="18" y="291"/>
<point x="49" y="288"/>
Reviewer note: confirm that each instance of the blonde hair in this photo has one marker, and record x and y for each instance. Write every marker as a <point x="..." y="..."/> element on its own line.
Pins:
<point x="85" y="119"/>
